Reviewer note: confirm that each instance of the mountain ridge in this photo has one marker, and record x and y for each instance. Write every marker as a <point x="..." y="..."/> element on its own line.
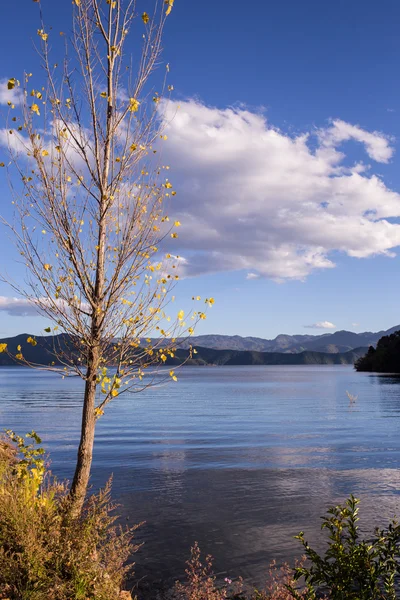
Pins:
<point x="330" y="343"/>
<point x="43" y="354"/>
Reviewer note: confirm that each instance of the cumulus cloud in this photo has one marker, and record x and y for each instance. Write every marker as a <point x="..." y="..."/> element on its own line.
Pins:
<point x="321" y="325"/>
<point x="254" y="198"/>
<point x="32" y="307"/>
<point x="376" y="145"/>
<point x="14" y="96"/>
<point x="18" y="307"/>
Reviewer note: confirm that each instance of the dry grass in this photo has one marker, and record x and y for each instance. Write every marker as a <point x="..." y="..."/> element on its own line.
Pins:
<point x="44" y="554"/>
<point x="201" y="583"/>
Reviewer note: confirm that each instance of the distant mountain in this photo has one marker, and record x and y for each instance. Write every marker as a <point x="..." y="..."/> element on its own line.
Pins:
<point x="330" y="343"/>
<point x="209" y="356"/>
<point x="47" y="348"/>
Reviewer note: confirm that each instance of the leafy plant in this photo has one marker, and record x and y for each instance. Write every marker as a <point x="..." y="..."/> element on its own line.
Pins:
<point x="44" y="553"/>
<point x="31" y="467"/>
<point x="351" y="568"/>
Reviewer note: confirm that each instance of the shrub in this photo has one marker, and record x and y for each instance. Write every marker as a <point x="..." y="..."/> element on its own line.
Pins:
<point x="45" y="554"/>
<point x="351" y="568"/>
<point x="201" y="581"/>
<point x="280" y="582"/>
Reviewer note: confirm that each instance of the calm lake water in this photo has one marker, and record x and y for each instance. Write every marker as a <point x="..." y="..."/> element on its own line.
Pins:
<point x="239" y="458"/>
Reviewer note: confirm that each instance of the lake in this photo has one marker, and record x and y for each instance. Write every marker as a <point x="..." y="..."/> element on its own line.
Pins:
<point x="239" y="458"/>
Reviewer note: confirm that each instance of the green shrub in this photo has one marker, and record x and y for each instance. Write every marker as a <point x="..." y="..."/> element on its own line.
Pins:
<point x="44" y="554"/>
<point x="351" y="568"/>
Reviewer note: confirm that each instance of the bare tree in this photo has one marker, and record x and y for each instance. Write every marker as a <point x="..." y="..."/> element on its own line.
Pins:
<point x="90" y="202"/>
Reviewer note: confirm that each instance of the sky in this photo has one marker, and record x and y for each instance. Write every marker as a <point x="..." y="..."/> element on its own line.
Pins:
<point x="283" y="141"/>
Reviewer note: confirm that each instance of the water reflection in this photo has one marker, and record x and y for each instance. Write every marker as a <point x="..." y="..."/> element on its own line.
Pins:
<point x="239" y="458"/>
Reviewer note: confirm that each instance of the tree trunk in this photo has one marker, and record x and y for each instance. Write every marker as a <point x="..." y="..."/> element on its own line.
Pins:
<point x="85" y="452"/>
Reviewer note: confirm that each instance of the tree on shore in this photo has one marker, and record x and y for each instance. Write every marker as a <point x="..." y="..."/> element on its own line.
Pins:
<point x="385" y="358"/>
<point x="91" y="199"/>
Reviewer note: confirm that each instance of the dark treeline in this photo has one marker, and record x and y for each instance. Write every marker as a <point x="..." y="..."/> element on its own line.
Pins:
<point x="385" y="358"/>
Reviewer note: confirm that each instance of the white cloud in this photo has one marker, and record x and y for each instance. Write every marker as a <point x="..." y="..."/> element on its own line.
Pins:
<point x="321" y="325"/>
<point x="376" y="144"/>
<point x="14" y="96"/>
<point x="32" y="307"/>
<point x="253" y="198"/>
<point x="18" y="307"/>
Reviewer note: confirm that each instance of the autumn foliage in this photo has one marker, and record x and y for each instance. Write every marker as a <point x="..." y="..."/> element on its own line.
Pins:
<point x="43" y="553"/>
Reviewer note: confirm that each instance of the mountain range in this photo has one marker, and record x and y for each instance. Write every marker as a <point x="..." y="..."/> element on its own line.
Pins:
<point x="330" y="343"/>
<point x="340" y="347"/>
<point x="43" y="354"/>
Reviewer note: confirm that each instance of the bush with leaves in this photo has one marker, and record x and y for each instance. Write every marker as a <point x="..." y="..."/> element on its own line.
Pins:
<point x="352" y="568"/>
<point x="44" y="553"/>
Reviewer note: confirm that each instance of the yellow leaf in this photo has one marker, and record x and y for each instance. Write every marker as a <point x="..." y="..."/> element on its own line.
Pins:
<point x="170" y="4"/>
<point x="31" y="341"/>
<point x="177" y="224"/>
<point x="174" y="378"/>
<point x="114" y="393"/>
<point x="174" y="235"/>
<point x="163" y="357"/>
<point x="35" y="109"/>
<point x="168" y="185"/>
<point x="48" y="329"/>
<point x="145" y="18"/>
<point x="3" y="348"/>
<point x="2" y="164"/>
<point x="41" y="33"/>
<point x="19" y="348"/>
<point x="77" y="2"/>
<point x="133" y="147"/>
<point x="133" y="104"/>
<point x="47" y="267"/>
<point x="12" y="83"/>
<point x="98" y="412"/>
<point x="45" y="153"/>
<point x="194" y="351"/>
<point x="181" y="315"/>
<point x="171" y="373"/>
<point x="190" y="330"/>
<point x="19" y="356"/>
<point x="103" y="94"/>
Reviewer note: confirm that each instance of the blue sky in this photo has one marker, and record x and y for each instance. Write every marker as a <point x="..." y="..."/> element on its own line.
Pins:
<point x="259" y="75"/>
